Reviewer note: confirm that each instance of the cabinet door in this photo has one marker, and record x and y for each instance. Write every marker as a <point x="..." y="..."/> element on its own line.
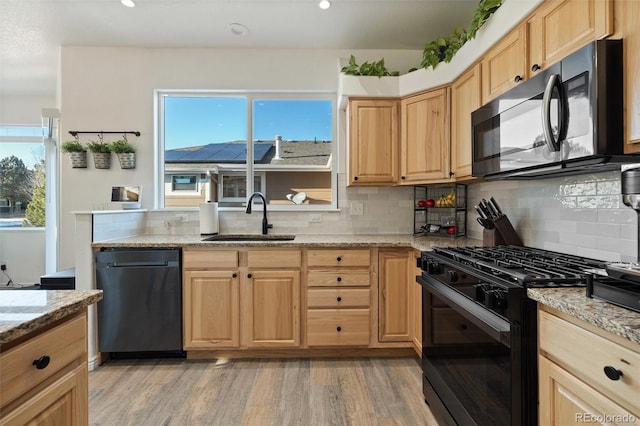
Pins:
<point x="627" y="16"/>
<point x="416" y="304"/>
<point x="393" y="296"/>
<point x="271" y="308"/>
<point x="373" y="141"/>
<point x="211" y="309"/>
<point x="505" y="65"/>
<point x="425" y="138"/>
<point x="560" y="27"/>
<point x="64" y="402"/>
<point x="565" y="400"/>
<point x="465" y="98"/>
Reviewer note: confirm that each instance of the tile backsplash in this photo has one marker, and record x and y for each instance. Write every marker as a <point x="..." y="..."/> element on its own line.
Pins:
<point x="582" y="215"/>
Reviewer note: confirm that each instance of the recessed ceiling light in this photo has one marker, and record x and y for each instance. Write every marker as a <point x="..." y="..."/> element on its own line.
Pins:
<point x="324" y="4"/>
<point x="238" y="29"/>
<point x="128" y="3"/>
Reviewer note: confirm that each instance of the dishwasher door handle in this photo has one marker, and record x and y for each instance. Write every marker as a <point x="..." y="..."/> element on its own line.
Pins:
<point x="136" y="264"/>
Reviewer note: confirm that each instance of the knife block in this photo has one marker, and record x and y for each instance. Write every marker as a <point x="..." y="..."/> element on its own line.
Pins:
<point x="491" y="237"/>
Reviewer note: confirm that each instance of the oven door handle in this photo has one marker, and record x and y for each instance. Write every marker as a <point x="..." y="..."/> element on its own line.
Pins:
<point x="496" y="327"/>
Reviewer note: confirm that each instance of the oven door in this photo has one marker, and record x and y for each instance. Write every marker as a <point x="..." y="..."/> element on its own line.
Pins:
<point x="471" y="359"/>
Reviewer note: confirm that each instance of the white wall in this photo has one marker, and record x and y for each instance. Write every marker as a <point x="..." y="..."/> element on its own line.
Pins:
<point x="22" y="250"/>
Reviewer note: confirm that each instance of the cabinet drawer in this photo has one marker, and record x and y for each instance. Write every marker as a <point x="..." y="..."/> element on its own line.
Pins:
<point x="63" y="344"/>
<point x="341" y="257"/>
<point x="338" y="298"/>
<point x="210" y="259"/>
<point x="274" y="259"/>
<point x="338" y="327"/>
<point x="338" y="278"/>
<point x="586" y="354"/>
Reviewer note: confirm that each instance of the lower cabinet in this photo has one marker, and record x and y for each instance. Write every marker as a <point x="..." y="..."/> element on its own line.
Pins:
<point x="394" y="280"/>
<point x="586" y="375"/>
<point x="44" y="380"/>
<point x="241" y="298"/>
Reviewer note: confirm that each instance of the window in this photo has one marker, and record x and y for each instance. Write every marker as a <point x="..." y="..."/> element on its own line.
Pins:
<point x="22" y="177"/>
<point x="290" y="156"/>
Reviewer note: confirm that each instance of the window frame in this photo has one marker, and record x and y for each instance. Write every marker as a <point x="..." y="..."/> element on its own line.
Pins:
<point x="251" y="168"/>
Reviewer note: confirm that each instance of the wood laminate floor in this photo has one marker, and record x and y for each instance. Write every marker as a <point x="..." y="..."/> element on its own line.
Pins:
<point x="372" y="391"/>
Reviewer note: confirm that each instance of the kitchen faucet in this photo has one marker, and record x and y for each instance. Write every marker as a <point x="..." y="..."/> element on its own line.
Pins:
<point x="265" y="224"/>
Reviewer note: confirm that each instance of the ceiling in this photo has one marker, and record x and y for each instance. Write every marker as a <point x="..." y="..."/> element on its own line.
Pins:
<point x="33" y="30"/>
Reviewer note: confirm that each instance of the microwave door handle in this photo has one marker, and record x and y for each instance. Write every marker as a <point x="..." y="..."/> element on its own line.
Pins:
<point x="552" y="143"/>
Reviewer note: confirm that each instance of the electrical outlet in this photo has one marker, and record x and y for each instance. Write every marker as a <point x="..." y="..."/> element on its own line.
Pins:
<point x="356" y="208"/>
<point x="315" y="218"/>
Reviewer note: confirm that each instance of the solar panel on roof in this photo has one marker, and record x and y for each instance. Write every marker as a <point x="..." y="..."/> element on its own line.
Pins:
<point x="216" y="153"/>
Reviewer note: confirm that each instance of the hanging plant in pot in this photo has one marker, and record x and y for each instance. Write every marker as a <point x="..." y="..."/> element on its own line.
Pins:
<point x="126" y="153"/>
<point x="101" y="154"/>
<point x="77" y="154"/>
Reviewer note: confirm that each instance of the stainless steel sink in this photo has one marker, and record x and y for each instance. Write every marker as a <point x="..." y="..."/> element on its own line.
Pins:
<point x="249" y="237"/>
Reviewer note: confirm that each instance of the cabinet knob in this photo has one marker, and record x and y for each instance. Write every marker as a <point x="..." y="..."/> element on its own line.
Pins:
<point x="355" y="178"/>
<point x="42" y="362"/>
<point x="339" y="279"/>
<point x="517" y="79"/>
<point x="339" y="328"/>
<point x="451" y="173"/>
<point x="339" y="299"/>
<point x="612" y="373"/>
<point x="234" y="275"/>
<point x="339" y="258"/>
<point x="403" y="177"/>
<point x="535" y="67"/>
<point x="249" y="275"/>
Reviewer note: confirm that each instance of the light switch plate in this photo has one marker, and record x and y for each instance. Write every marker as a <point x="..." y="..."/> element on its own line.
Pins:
<point x="356" y="208"/>
<point x="315" y="218"/>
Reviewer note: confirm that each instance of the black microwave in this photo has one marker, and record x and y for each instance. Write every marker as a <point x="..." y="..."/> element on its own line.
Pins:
<point x="568" y="119"/>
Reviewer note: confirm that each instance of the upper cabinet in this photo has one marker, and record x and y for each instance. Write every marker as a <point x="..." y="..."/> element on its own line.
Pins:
<point x="373" y="141"/>
<point x="505" y="65"/>
<point x="424" y="142"/>
<point x="465" y="98"/>
<point x="560" y="27"/>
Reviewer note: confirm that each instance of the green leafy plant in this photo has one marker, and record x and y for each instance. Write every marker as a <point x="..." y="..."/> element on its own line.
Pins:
<point x="99" y="147"/>
<point x="377" y="69"/>
<point x="122" y="146"/>
<point x="485" y="9"/>
<point x="72" y="146"/>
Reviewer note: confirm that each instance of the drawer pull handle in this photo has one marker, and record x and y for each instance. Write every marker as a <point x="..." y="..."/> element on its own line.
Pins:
<point x="339" y="279"/>
<point x="339" y="259"/>
<point x="42" y="362"/>
<point x="612" y="373"/>
<point x="339" y="328"/>
<point x="339" y="299"/>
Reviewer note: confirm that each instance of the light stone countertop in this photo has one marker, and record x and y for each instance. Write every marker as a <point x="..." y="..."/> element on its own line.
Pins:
<point x="573" y="301"/>
<point x="308" y="240"/>
<point x="24" y="311"/>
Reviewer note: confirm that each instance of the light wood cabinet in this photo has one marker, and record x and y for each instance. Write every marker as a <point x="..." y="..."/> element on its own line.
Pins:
<point x="394" y="279"/>
<point x="424" y="143"/>
<point x="338" y="297"/>
<point x="416" y="307"/>
<point x="271" y="308"/>
<point x="505" y="64"/>
<point x="55" y="394"/>
<point x="574" y="386"/>
<point x="373" y="141"/>
<point x="465" y="98"/>
<point x="560" y="27"/>
<point x="245" y="298"/>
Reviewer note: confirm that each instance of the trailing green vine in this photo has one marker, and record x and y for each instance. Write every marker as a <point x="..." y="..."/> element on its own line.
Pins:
<point x="442" y="49"/>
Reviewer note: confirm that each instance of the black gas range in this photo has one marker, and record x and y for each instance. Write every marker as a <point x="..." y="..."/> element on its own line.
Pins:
<point x="479" y="329"/>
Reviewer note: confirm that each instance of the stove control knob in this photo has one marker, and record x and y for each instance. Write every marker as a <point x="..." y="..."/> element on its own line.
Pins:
<point x="453" y="276"/>
<point x="434" y="268"/>
<point x="495" y="299"/>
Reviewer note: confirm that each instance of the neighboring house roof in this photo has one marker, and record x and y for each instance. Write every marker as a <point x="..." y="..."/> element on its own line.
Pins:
<point x="317" y="153"/>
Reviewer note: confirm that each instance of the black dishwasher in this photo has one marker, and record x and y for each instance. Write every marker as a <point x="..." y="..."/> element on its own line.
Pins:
<point x="141" y="309"/>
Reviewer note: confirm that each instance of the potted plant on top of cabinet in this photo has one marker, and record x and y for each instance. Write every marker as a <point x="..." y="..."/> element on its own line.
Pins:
<point x="77" y="154"/>
<point x="126" y="153"/>
<point x="101" y="154"/>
